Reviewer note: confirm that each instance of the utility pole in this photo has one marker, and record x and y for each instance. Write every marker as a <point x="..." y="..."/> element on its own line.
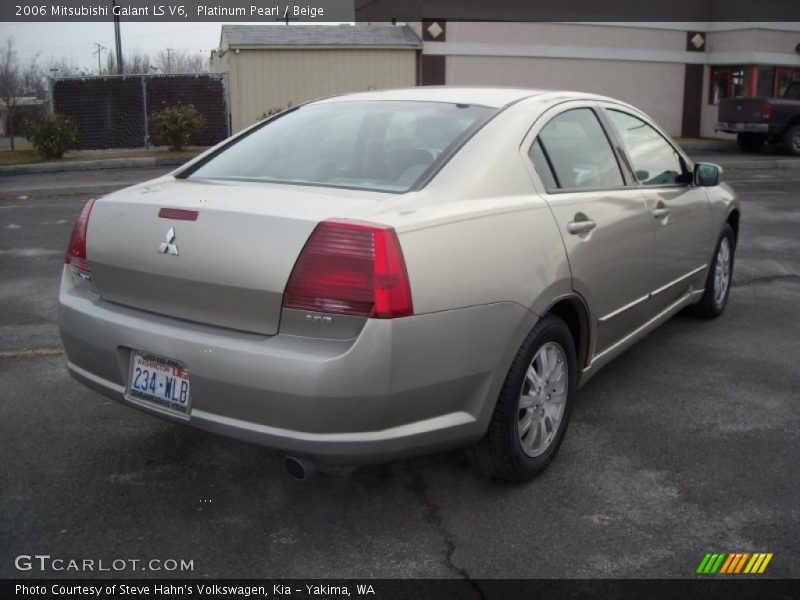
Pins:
<point x="118" y="40"/>
<point x="100" y="48"/>
<point x="169" y="60"/>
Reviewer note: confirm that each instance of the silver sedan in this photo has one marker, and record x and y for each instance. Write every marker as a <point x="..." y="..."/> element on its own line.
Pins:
<point x="384" y="274"/>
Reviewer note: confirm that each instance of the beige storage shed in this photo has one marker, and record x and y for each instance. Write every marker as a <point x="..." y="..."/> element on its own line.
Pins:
<point x="270" y="66"/>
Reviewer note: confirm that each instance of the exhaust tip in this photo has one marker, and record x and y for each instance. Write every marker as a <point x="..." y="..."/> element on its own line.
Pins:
<point x="299" y="468"/>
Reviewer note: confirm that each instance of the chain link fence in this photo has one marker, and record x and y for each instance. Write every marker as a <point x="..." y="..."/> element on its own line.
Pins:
<point x="114" y="111"/>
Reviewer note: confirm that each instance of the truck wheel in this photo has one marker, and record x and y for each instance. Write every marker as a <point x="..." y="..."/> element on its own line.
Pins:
<point x="791" y="140"/>
<point x="750" y="142"/>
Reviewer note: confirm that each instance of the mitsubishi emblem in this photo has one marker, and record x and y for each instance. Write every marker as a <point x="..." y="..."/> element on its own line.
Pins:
<point x="167" y="246"/>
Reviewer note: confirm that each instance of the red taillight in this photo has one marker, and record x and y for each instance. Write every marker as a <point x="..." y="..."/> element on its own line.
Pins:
<point x="766" y="110"/>
<point x="76" y="250"/>
<point x="351" y="268"/>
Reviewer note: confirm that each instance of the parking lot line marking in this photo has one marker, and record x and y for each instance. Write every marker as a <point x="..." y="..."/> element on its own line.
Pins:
<point x="31" y="353"/>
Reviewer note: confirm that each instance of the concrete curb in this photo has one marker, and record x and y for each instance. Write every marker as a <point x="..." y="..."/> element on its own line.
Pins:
<point x="778" y="163"/>
<point x="701" y="146"/>
<point x="90" y="165"/>
<point x="39" y="193"/>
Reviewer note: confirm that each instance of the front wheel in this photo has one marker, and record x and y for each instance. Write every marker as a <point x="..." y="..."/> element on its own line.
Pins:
<point x="718" y="281"/>
<point x="534" y="406"/>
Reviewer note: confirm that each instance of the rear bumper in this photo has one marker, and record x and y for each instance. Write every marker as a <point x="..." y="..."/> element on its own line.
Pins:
<point x="401" y="387"/>
<point x="737" y="127"/>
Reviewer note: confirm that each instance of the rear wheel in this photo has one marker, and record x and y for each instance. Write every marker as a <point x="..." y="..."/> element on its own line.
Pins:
<point x="534" y="406"/>
<point x="791" y="140"/>
<point x="718" y="281"/>
<point x="750" y="142"/>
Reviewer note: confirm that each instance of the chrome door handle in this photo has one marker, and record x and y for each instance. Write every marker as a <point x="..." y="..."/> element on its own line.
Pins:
<point x="660" y="213"/>
<point x="578" y="227"/>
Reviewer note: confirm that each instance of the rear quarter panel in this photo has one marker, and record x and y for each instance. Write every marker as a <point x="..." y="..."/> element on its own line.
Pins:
<point x="479" y="233"/>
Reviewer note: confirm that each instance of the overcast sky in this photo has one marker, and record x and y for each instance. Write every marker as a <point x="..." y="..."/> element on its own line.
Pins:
<point x="76" y="39"/>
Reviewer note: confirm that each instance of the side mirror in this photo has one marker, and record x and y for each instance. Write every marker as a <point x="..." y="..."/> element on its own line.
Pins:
<point x="707" y="175"/>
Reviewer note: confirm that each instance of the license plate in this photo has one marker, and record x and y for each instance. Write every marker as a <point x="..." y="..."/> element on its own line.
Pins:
<point x="738" y="126"/>
<point x="159" y="380"/>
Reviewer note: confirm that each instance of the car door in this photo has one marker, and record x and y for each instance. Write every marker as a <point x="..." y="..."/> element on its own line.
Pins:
<point x="680" y="211"/>
<point x="604" y="221"/>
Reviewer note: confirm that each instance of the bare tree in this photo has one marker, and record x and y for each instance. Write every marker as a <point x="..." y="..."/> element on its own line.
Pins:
<point x="179" y="61"/>
<point x="136" y="61"/>
<point x="34" y="79"/>
<point x="10" y="83"/>
<point x="61" y="67"/>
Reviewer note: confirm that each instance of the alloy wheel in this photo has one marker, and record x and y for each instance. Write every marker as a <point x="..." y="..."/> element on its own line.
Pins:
<point x="722" y="271"/>
<point x="542" y="399"/>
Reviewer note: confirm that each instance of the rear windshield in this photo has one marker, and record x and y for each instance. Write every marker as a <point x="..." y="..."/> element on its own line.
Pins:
<point x="374" y="145"/>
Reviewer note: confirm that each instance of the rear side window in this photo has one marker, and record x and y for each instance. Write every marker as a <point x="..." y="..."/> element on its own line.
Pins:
<point x="654" y="160"/>
<point x="576" y="147"/>
<point x="374" y="145"/>
<point x="542" y="166"/>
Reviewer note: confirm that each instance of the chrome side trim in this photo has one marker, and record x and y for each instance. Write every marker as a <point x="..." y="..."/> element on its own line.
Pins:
<point x="664" y="288"/>
<point x="621" y="310"/>
<point x="655" y="292"/>
<point x="685" y="299"/>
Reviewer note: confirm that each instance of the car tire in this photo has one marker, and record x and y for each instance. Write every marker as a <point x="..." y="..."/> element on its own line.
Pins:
<point x="719" y="278"/>
<point x="750" y="142"/>
<point x="540" y="403"/>
<point x="791" y="140"/>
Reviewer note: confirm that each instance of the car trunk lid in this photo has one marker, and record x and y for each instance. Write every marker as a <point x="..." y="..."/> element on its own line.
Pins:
<point x="229" y="266"/>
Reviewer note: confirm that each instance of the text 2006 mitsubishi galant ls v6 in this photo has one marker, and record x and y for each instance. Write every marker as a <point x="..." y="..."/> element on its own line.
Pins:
<point x="382" y="274"/>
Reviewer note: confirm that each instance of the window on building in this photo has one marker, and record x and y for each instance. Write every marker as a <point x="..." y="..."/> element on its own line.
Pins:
<point x="727" y="82"/>
<point x="783" y="77"/>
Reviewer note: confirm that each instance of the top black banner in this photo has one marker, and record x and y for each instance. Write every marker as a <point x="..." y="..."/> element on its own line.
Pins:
<point x="321" y="11"/>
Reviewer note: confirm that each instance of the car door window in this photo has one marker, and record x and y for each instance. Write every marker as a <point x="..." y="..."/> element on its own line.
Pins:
<point x="576" y="147"/>
<point x="653" y="159"/>
<point x="542" y="166"/>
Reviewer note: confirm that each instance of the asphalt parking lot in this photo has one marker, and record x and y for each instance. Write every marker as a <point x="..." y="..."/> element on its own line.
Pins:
<point x="687" y="444"/>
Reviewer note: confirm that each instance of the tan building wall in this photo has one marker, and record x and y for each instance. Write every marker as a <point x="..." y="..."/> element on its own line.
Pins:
<point x="656" y="88"/>
<point x="643" y="64"/>
<point x="566" y="34"/>
<point x="261" y="79"/>
<point x="753" y="40"/>
<point x="613" y="61"/>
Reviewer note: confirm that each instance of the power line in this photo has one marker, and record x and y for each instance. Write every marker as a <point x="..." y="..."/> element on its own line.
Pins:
<point x="100" y="48"/>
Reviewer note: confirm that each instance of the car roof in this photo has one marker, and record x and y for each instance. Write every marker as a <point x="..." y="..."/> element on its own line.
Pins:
<point x="483" y="96"/>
